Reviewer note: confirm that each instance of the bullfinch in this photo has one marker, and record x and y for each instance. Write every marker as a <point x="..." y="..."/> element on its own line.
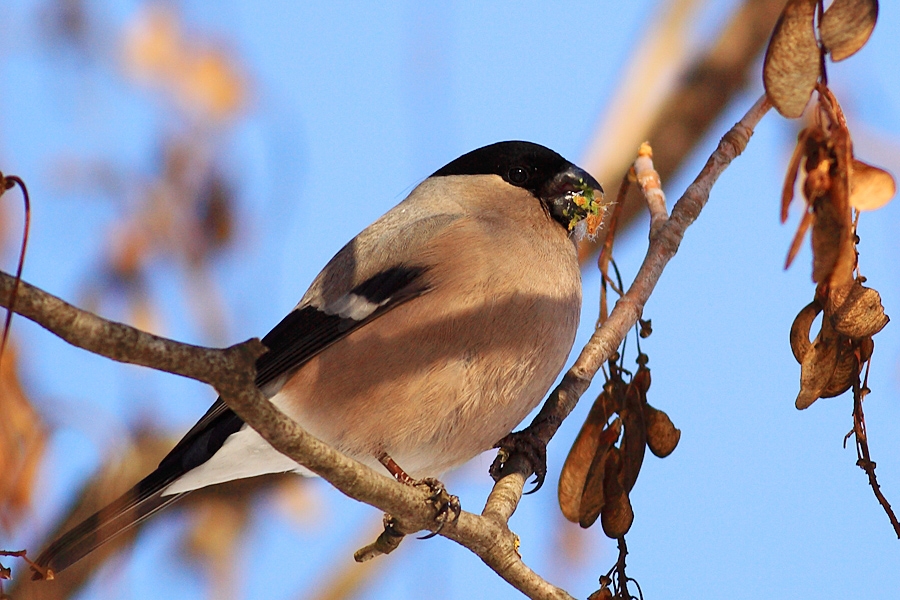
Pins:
<point x="423" y="342"/>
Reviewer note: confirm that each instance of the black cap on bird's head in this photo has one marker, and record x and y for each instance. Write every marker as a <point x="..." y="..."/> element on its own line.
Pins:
<point x="569" y="194"/>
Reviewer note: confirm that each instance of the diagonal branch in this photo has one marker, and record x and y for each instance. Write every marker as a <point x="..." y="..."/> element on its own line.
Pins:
<point x="231" y="372"/>
<point x="629" y="308"/>
<point x="685" y="112"/>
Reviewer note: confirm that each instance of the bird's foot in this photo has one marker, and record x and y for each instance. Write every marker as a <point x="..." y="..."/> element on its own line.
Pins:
<point x="526" y="444"/>
<point x="446" y="504"/>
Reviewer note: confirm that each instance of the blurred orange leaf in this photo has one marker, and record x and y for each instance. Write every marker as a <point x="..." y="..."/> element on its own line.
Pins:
<point x="199" y="77"/>
<point x="21" y="442"/>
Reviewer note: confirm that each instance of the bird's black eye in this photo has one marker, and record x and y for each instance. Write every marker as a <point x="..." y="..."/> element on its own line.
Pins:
<point x="517" y="175"/>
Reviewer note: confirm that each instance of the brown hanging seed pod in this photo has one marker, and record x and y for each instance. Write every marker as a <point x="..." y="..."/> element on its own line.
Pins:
<point x="617" y="515"/>
<point x="593" y="439"/>
<point x="591" y="496"/>
<point x="846" y="371"/>
<point x="634" y="440"/>
<point x="594" y="495"/>
<point x="603" y="593"/>
<point x="662" y="436"/>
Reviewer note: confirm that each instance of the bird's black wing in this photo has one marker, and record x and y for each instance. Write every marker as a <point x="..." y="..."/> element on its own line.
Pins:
<point x="301" y="335"/>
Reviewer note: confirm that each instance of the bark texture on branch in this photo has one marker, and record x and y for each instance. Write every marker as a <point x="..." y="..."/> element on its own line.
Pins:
<point x="231" y="372"/>
<point x="689" y="109"/>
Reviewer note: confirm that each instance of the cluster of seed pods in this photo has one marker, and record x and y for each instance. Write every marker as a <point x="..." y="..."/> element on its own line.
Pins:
<point x="606" y="458"/>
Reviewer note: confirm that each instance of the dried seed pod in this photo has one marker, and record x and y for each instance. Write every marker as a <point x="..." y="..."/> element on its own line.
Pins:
<point x="582" y="505"/>
<point x="646" y="329"/>
<point x="847" y="25"/>
<point x="594" y="496"/>
<point x="816" y="370"/>
<point x="829" y="225"/>
<point x="617" y="515"/>
<point x="800" y="329"/>
<point x="603" y="593"/>
<point x="866" y="347"/>
<point x="634" y="440"/>
<point x="791" y="67"/>
<point x="790" y="178"/>
<point x="584" y="449"/>
<point x="845" y="374"/>
<point x="662" y="436"/>
<point x="861" y="314"/>
<point x="870" y="187"/>
<point x="641" y="379"/>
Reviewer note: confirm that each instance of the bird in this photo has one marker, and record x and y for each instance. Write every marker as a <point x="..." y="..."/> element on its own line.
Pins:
<point x="425" y="340"/>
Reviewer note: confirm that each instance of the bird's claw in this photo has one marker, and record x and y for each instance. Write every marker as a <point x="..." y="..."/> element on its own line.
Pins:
<point x="527" y="444"/>
<point x="446" y="504"/>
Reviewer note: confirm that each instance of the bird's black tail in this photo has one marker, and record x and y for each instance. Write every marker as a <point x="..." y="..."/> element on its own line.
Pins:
<point x="144" y="499"/>
<point x="135" y="505"/>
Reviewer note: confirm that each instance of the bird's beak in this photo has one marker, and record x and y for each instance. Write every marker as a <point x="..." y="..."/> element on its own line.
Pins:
<point x="573" y="196"/>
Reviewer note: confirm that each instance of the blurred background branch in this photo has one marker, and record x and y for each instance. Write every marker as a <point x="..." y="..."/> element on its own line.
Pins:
<point x="187" y="159"/>
<point x="671" y="96"/>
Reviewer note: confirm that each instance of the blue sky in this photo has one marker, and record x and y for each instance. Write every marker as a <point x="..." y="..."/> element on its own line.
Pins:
<point x="351" y="106"/>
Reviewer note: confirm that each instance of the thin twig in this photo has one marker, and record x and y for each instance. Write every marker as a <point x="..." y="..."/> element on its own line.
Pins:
<point x="689" y="108"/>
<point x="662" y="248"/>
<point x="231" y="371"/>
<point x="7" y="183"/>
<point x="605" y="256"/>
<point x="864" y="459"/>
<point x="651" y="187"/>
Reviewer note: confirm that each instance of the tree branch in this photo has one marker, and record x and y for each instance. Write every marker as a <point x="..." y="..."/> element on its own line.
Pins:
<point x="683" y="117"/>
<point x="231" y="372"/>
<point x="629" y="307"/>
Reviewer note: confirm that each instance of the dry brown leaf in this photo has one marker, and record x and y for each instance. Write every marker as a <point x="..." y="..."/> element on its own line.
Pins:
<point x="800" y="329"/>
<point x="792" y="64"/>
<point x="217" y="212"/>
<point x="870" y="187"/>
<point x="662" y="435"/>
<point x="217" y="527"/>
<point x="827" y="233"/>
<point x="200" y="76"/>
<point x="153" y="44"/>
<point x="845" y="373"/>
<point x="816" y="370"/>
<point x="847" y="25"/>
<point x="861" y="315"/>
<point x="210" y="83"/>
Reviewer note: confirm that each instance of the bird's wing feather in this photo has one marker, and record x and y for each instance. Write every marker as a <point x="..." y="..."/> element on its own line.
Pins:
<point x="136" y="505"/>
<point x="301" y="335"/>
